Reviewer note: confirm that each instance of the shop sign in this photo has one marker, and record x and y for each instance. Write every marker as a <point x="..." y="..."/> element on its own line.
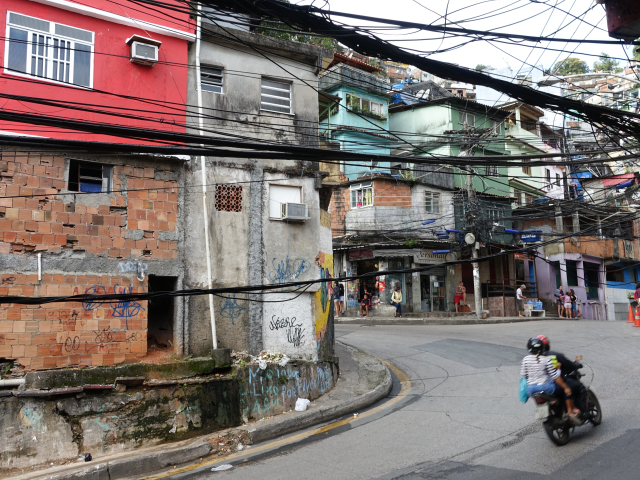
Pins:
<point x="427" y="257"/>
<point x="522" y="256"/>
<point x="360" y="254"/>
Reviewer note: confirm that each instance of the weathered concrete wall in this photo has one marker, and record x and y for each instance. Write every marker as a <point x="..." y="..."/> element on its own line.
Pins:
<point x="247" y="246"/>
<point x="38" y="431"/>
<point x="90" y="243"/>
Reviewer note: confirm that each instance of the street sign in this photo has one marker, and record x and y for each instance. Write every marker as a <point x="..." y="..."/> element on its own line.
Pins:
<point x="530" y="237"/>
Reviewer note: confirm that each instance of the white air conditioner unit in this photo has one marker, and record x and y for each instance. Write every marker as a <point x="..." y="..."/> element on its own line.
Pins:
<point x="294" y="212"/>
<point x="143" y="50"/>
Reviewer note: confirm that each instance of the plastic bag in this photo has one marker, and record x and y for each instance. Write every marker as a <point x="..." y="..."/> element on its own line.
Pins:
<point x="301" y="404"/>
<point x="524" y="396"/>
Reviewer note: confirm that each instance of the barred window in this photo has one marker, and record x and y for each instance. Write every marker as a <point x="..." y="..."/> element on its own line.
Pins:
<point x="228" y="198"/>
<point x="491" y="171"/>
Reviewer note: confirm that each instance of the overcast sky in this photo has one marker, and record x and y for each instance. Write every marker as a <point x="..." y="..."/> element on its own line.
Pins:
<point x="530" y="17"/>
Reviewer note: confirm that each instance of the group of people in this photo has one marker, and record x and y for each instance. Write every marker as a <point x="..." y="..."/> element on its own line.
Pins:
<point x="550" y="372"/>
<point x="365" y="300"/>
<point x="566" y="302"/>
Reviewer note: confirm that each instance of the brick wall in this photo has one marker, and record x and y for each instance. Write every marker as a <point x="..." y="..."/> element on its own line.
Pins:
<point x="126" y="226"/>
<point x="338" y="207"/>
<point x="389" y="194"/>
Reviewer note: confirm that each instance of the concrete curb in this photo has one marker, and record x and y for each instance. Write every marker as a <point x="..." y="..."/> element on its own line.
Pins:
<point x="152" y="459"/>
<point x="443" y="321"/>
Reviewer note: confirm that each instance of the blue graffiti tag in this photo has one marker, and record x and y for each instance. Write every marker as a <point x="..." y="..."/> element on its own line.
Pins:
<point x="288" y="270"/>
<point x="229" y="308"/>
<point x="94" y="290"/>
<point x="126" y="309"/>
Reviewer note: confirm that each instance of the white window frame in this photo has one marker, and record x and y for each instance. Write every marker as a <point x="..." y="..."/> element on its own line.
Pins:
<point x="203" y="82"/>
<point x="465" y="119"/>
<point x="429" y="199"/>
<point x="496" y="215"/>
<point x="50" y="35"/>
<point x="262" y="95"/>
<point x="354" y="188"/>
<point x="275" y="205"/>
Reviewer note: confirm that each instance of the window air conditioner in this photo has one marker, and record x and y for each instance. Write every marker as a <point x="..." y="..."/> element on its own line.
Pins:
<point x="144" y="51"/>
<point x="294" y="211"/>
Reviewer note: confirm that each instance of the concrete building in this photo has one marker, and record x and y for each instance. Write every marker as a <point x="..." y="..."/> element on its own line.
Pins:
<point x="358" y="118"/>
<point x="265" y="220"/>
<point x="390" y="223"/>
<point x="597" y="265"/>
<point x="449" y="125"/>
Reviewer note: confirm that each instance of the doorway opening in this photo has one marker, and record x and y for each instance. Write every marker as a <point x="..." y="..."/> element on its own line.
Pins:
<point x="160" y="316"/>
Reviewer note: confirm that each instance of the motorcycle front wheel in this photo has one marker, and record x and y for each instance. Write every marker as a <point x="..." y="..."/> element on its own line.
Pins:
<point x="594" y="409"/>
<point x="557" y="432"/>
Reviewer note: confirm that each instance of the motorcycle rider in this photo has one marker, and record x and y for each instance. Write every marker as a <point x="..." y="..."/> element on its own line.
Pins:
<point x="540" y="373"/>
<point x="566" y="367"/>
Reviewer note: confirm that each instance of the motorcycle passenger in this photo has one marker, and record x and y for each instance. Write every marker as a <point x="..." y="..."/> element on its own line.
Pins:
<point x="566" y="367"/>
<point x="540" y="373"/>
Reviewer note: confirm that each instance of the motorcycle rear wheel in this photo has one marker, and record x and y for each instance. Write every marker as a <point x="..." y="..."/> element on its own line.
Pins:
<point x="559" y="433"/>
<point x="594" y="409"/>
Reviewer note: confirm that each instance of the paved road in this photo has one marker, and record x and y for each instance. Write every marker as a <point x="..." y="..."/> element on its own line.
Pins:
<point x="462" y="418"/>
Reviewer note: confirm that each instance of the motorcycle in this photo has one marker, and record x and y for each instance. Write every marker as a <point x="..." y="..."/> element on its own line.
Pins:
<point x="552" y="410"/>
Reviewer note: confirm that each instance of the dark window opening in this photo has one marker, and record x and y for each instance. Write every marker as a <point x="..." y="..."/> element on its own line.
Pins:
<point x="161" y="315"/>
<point x="614" y="273"/>
<point x="592" y="280"/>
<point x="89" y="177"/>
<point x="572" y="273"/>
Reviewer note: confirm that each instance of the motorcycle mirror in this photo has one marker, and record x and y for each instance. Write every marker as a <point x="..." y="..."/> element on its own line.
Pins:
<point x="578" y="358"/>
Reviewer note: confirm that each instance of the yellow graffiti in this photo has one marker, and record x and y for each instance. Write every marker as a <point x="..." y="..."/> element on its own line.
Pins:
<point x="325" y="262"/>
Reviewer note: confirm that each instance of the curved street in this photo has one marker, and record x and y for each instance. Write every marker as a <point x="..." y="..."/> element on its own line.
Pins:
<point x="461" y="417"/>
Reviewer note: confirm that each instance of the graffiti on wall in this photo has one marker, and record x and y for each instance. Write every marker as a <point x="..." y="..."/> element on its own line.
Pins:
<point x="124" y="309"/>
<point x="230" y="309"/>
<point x="276" y="389"/>
<point x="288" y="270"/>
<point x="324" y="308"/>
<point x="292" y="327"/>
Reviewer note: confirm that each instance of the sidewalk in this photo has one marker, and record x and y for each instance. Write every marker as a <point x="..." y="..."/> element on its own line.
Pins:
<point x="364" y="380"/>
<point x="467" y="320"/>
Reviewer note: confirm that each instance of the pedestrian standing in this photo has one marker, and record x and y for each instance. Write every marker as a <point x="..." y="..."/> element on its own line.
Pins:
<point x="336" y="299"/>
<point x="396" y="301"/>
<point x="558" y="294"/>
<point x="341" y="297"/>
<point x="460" y="296"/>
<point x="574" y="300"/>
<point x="567" y="305"/>
<point x="520" y="298"/>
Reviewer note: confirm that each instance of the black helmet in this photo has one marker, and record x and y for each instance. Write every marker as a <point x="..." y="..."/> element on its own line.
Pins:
<point x="535" y="346"/>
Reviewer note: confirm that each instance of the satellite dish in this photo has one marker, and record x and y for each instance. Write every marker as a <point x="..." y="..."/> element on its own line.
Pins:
<point x="469" y="239"/>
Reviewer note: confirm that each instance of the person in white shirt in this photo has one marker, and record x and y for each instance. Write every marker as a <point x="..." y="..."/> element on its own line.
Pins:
<point x="520" y="300"/>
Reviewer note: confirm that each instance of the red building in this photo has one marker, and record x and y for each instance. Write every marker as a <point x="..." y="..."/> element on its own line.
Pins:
<point x="104" y="55"/>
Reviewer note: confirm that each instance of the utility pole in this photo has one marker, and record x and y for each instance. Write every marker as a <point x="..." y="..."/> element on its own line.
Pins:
<point x="477" y="290"/>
